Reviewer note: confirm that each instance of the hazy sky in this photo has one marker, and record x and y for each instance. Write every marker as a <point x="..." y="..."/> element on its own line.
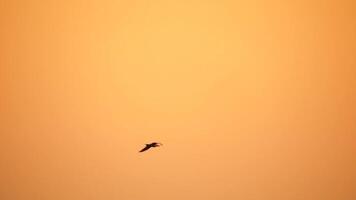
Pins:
<point x="253" y="100"/>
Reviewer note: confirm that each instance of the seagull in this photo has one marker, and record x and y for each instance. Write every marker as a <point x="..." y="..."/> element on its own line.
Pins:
<point x="148" y="146"/>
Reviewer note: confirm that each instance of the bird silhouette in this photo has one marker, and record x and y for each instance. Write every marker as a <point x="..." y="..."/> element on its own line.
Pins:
<point x="148" y="146"/>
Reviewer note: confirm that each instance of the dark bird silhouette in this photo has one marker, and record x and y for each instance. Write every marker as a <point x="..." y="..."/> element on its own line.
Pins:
<point x="148" y="146"/>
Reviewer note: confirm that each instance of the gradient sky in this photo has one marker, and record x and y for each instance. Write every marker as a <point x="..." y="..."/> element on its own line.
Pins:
<point x="253" y="100"/>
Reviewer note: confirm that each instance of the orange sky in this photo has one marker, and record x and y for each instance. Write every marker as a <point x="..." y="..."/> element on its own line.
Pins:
<point x="253" y="100"/>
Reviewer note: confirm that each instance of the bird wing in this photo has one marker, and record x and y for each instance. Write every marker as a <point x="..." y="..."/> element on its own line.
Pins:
<point x="146" y="148"/>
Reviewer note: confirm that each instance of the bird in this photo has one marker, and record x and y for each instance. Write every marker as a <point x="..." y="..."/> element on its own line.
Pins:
<point x="148" y="146"/>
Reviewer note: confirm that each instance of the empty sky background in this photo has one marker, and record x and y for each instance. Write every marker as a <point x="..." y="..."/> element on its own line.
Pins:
<point x="253" y="100"/>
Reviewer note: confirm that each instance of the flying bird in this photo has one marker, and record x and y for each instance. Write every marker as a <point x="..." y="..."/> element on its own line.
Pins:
<point x="148" y="146"/>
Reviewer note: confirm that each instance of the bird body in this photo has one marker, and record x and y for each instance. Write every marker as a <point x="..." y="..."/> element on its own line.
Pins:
<point x="151" y="145"/>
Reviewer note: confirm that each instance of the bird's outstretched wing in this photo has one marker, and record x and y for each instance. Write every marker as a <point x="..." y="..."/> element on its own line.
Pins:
<point x="146" y="148"/>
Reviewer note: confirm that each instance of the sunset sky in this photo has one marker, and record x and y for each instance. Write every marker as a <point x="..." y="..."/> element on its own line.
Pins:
<point x="253" y="100"/>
